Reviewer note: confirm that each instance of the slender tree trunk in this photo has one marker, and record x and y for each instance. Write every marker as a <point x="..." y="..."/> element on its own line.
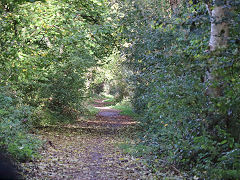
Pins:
<point x="219" y="28"/>
<point x="218" y="40"/>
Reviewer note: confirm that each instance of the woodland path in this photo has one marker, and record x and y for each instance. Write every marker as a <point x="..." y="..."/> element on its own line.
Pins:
<point x="87" y="150"/>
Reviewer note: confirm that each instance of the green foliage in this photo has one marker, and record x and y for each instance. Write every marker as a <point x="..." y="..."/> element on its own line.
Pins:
<point x="54" y="52"/>
<point x="125" y="108"/>
<point x="49" y="47"/>
<point x="14" y="122"/>
<point x="91" y="110"/>
<point x="110" y="78"/>
<point x="167" y="55"/>
<point x="110" y="98"/>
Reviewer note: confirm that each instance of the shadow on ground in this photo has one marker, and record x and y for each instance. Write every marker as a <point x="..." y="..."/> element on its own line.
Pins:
<point x="86" y="150"/>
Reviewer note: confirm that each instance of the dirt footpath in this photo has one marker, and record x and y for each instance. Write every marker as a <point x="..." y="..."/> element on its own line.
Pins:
<point x="87" y="150"/>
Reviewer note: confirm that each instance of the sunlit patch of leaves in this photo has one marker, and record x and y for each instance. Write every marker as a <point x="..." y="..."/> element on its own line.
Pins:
<point x="75" y="151"/>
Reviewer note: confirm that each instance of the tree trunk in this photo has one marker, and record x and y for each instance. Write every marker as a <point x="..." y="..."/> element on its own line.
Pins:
<point x="219" y="28"/>
<point x="218" y="40"/>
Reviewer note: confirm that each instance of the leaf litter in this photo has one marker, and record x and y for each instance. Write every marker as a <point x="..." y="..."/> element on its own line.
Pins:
<point x="86" y="150"/>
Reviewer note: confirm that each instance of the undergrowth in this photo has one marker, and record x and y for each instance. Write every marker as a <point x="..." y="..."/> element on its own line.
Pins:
<point x="125" y="108"/>
<point x="91" y="110"/>
<point x="15" y="122"/>
<point x="167" y="59"/>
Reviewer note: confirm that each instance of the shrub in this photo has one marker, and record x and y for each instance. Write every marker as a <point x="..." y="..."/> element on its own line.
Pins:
<point x="14" y="126"/>
<point x="168" y="59"/>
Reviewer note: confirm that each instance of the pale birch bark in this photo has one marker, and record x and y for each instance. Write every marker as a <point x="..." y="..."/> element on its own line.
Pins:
<point x="219" y="28"/>
<point x="218" y="40"/>
<point x="48" y="42"/>
<point x="61" y="51"/>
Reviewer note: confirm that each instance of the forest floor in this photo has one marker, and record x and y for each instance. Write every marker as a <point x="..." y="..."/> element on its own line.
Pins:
<point x="88" y="150"/>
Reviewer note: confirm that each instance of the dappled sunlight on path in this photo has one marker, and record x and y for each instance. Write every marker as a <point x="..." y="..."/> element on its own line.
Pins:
<point x="107" y="118"/>
<point x="86" y="150"/>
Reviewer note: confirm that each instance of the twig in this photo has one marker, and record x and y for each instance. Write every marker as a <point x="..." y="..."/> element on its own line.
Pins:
<point x="175" y="169"/>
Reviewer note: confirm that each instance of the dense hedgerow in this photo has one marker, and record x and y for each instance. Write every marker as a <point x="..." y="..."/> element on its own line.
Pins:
<point x="15" y="122"/>
<point x="168" y="57"/>
<point x="47" y="48"/>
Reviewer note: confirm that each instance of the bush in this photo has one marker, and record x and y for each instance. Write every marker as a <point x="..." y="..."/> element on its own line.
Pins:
<point x="15" y="119"/>
<point x="168" y="59"/>
<point x="48" y="66"/>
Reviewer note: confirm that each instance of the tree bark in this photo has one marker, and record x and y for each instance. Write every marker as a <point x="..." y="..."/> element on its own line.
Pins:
<point x="219" y="28"/>
<point x="218" y="40"/>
